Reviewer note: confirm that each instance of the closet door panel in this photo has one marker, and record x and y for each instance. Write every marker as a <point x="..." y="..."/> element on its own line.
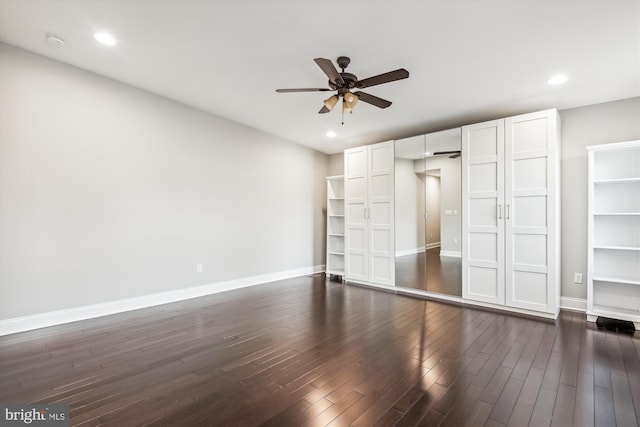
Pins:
<point x="369" y="214"/>
<point x="483" y="177"/>
<point x="356" y="236"/>
<point x="532" y="287"/>
<point x="529" y="187"/>
<point x="530" y="173"/>
<point x="381" y="213"/>
<point x="528" y="212"/>
<point x="530" y="249"/>
<point x="483" y="247"/>
<point x="381" y="159"/>
<point x="482" y="206"/>
<point x="485" y="282"/>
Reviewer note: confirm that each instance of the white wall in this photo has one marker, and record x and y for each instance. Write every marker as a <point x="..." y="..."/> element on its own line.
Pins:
<point x="110" y="192"/>
<point x="409" y="208"/>
<point x="595" y="124"/>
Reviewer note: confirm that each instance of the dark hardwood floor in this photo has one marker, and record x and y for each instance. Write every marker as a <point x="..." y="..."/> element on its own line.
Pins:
<point x="309" y="352"/>
<point x="430" y="272"/>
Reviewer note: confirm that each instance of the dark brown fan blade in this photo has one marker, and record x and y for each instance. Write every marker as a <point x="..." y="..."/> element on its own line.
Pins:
<point x="383" y="78"/>
<point x="454" y="154"/>
<point x="330" y="70"/>
<point x="307" y="89"/>
<point x="324" y="110"/>
<point x="373" y="100"/>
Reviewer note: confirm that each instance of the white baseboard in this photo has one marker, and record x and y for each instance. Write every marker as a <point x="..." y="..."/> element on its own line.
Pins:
<point x="574" y="304"/>
<point x="454" y="254"/>
<point x="52" y="318"/>
<point x="432" y="245"/>
<point x="409" y="252"/>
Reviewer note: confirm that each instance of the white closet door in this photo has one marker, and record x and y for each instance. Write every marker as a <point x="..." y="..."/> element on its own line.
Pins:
<point x="483" y="211"/>
<point x="380" y="214"/>
<point x="356" y="239"/>
<point x="529" y="197"/>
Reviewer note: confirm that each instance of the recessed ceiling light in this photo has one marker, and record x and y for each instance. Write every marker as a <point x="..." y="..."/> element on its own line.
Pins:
<point x="558" y="79"/>
<point x="105" y="38"/>
<point x="427" y="154"/>
<point x="331" y="134"/>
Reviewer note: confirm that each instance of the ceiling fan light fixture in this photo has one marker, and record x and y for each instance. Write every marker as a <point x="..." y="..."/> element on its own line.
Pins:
<point x="350" y="99"/>
<point x="347" y="107"/>
<point x="330" y="102"/>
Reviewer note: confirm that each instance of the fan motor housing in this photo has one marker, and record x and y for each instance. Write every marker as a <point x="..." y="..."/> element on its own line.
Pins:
<point x="350" y="81"/>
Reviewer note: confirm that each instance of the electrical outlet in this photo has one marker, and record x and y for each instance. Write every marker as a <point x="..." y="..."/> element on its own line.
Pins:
<point x="455" y="241"/>
<point x="577" y="277"/>
<point x="198" y="268"/>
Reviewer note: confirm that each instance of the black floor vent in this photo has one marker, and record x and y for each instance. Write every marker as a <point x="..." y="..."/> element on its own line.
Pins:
<point x="620" y="326"/>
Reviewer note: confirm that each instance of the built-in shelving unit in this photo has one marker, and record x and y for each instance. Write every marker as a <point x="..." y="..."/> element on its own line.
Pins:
<point x="335" y="226"/>
<point x="614" y="232"/>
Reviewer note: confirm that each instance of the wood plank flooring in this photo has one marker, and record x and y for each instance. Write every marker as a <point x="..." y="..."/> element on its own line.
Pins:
<point x="428" y="271"/>
<point x="305" y="352"/>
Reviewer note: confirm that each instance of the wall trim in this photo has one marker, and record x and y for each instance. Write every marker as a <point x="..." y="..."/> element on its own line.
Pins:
<point x="573" y="304"/>
<point x="58" y="317"/>
<point x="432" y="245"/>
<point x="409" y="251"/>
<point x="454" y="254"/>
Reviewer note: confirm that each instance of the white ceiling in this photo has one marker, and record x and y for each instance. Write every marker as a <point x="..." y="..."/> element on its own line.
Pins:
<point x="469" y="60"/>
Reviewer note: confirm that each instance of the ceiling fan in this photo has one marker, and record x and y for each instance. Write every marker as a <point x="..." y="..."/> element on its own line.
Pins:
<point x="454" y="154"/>
<point x="343" y="83"/>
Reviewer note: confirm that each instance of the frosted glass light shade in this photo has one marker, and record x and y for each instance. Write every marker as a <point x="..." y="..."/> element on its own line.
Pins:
<point x="331" y="102"/>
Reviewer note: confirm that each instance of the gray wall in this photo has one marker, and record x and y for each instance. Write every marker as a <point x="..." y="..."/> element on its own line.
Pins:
<point x="595" y="124"/>
<point x="336" y="164"/>
<point x="109" y="192"/>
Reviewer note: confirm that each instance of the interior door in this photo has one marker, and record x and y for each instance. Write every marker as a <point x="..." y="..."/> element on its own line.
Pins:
<point x="380" y="213"/>
<point x="483" y="212"/>
<point x="528" y="184"/>
<point x="356" y="236"/>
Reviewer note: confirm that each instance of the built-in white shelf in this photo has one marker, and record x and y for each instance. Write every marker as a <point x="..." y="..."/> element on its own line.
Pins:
<point x="613" y="271"/>
<point x="616" y="312"/>
<point x="616" y="279"/>
<point x="616" y="180"/>
<point x="616" y="213"/>
<point x="618" y="248"/>
<point x="335" y="226"/>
